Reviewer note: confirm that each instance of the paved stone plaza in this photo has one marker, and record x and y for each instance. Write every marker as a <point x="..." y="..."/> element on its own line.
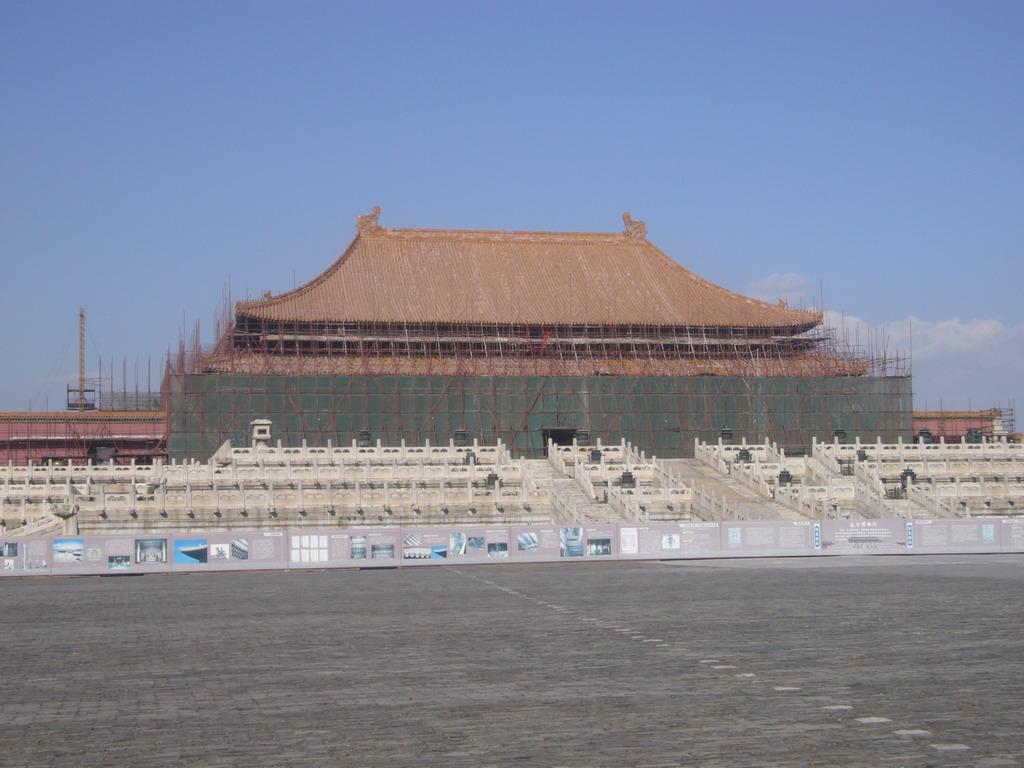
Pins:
<point x="884" y="661"/>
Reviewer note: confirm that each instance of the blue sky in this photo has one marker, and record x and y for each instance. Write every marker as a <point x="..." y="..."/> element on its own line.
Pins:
<point x="865" y="154"/>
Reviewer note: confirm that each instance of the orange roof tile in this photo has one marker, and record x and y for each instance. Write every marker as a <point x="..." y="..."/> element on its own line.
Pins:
<point x="958" y="415"/>
<point x="531" y="278"/>
<point x="61" y="416"/>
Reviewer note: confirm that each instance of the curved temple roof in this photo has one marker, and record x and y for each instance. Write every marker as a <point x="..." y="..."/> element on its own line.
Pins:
<point x="533" y="278"/>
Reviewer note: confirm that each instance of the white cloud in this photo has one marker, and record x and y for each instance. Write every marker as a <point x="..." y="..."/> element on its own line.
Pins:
<point x="973" y="363"/>
<point x="961" y="363"/>
<point x="983" y="341"/>
<point x="788" y="285"/>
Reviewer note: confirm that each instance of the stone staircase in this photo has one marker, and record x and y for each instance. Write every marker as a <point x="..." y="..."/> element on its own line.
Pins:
<point x="752" y="503"/>
<point x="570" y="503"/>
<point x="571" y="496"/>
<point x="762" y="506"/>
<point x="40" y="526"/>
<point x="543" y="474"/>
<point x="893" y="508"/>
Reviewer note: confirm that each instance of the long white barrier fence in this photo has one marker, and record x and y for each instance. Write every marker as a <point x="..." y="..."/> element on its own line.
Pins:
<point x="109" y="554"/>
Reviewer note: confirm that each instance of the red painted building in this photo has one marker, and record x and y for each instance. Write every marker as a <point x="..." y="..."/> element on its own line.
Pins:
<point x="80" y="436"/>
<point x="973" y="425"/>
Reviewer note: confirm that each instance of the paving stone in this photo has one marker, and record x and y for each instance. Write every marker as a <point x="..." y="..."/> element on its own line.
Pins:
<point x="435" y="665"/>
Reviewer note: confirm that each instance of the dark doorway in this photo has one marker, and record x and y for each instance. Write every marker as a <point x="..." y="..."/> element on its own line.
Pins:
<point x="103" y="453"/>
<point x="559" y="436"/>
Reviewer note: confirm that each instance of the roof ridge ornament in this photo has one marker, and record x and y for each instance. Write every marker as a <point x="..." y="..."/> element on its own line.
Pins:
<point x="367" y="222"/>
<point x="635" y="229"/>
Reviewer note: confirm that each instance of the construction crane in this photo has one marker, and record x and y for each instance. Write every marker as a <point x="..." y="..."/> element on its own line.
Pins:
<point x="82" y="398"/>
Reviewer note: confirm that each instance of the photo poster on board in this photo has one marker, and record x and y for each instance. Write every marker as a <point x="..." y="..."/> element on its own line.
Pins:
<point x="192" y="551"/>
<point x="307" y="549"/>
<point x="456" y="543"/>
<point x="629" y="540"/>
<point x="769" y="538"/>
<point x="37" y="555"/>
<point x="476" y="544"/>
<point x="140" y="553"/>
<point x="383" y="548"/>
<point x="866" y="537"/>
<point x="118" y="553"/>
<point x="535" y="543"/>
<point x="68" y="551"/>
<point x="425" y="546"/>
<point x="26" y="556"/>
<point x="973" y="535"/>
<point x="347" y="546"/>
<point x="151" y="551"/>
<point x="570" y="541"/>
<point x="8" y="556"/>
<point x="599" y="541"/>
<point x="356" y="545"/>
<point x="363" y="547"/>
<point x="668" y="540"/>
<point x="105" y="553"/>
<point x="229" y="551"/>
<point x="459" y="544"/>
<point x="1011" y="535"/>
<point x="497" y="543"/>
